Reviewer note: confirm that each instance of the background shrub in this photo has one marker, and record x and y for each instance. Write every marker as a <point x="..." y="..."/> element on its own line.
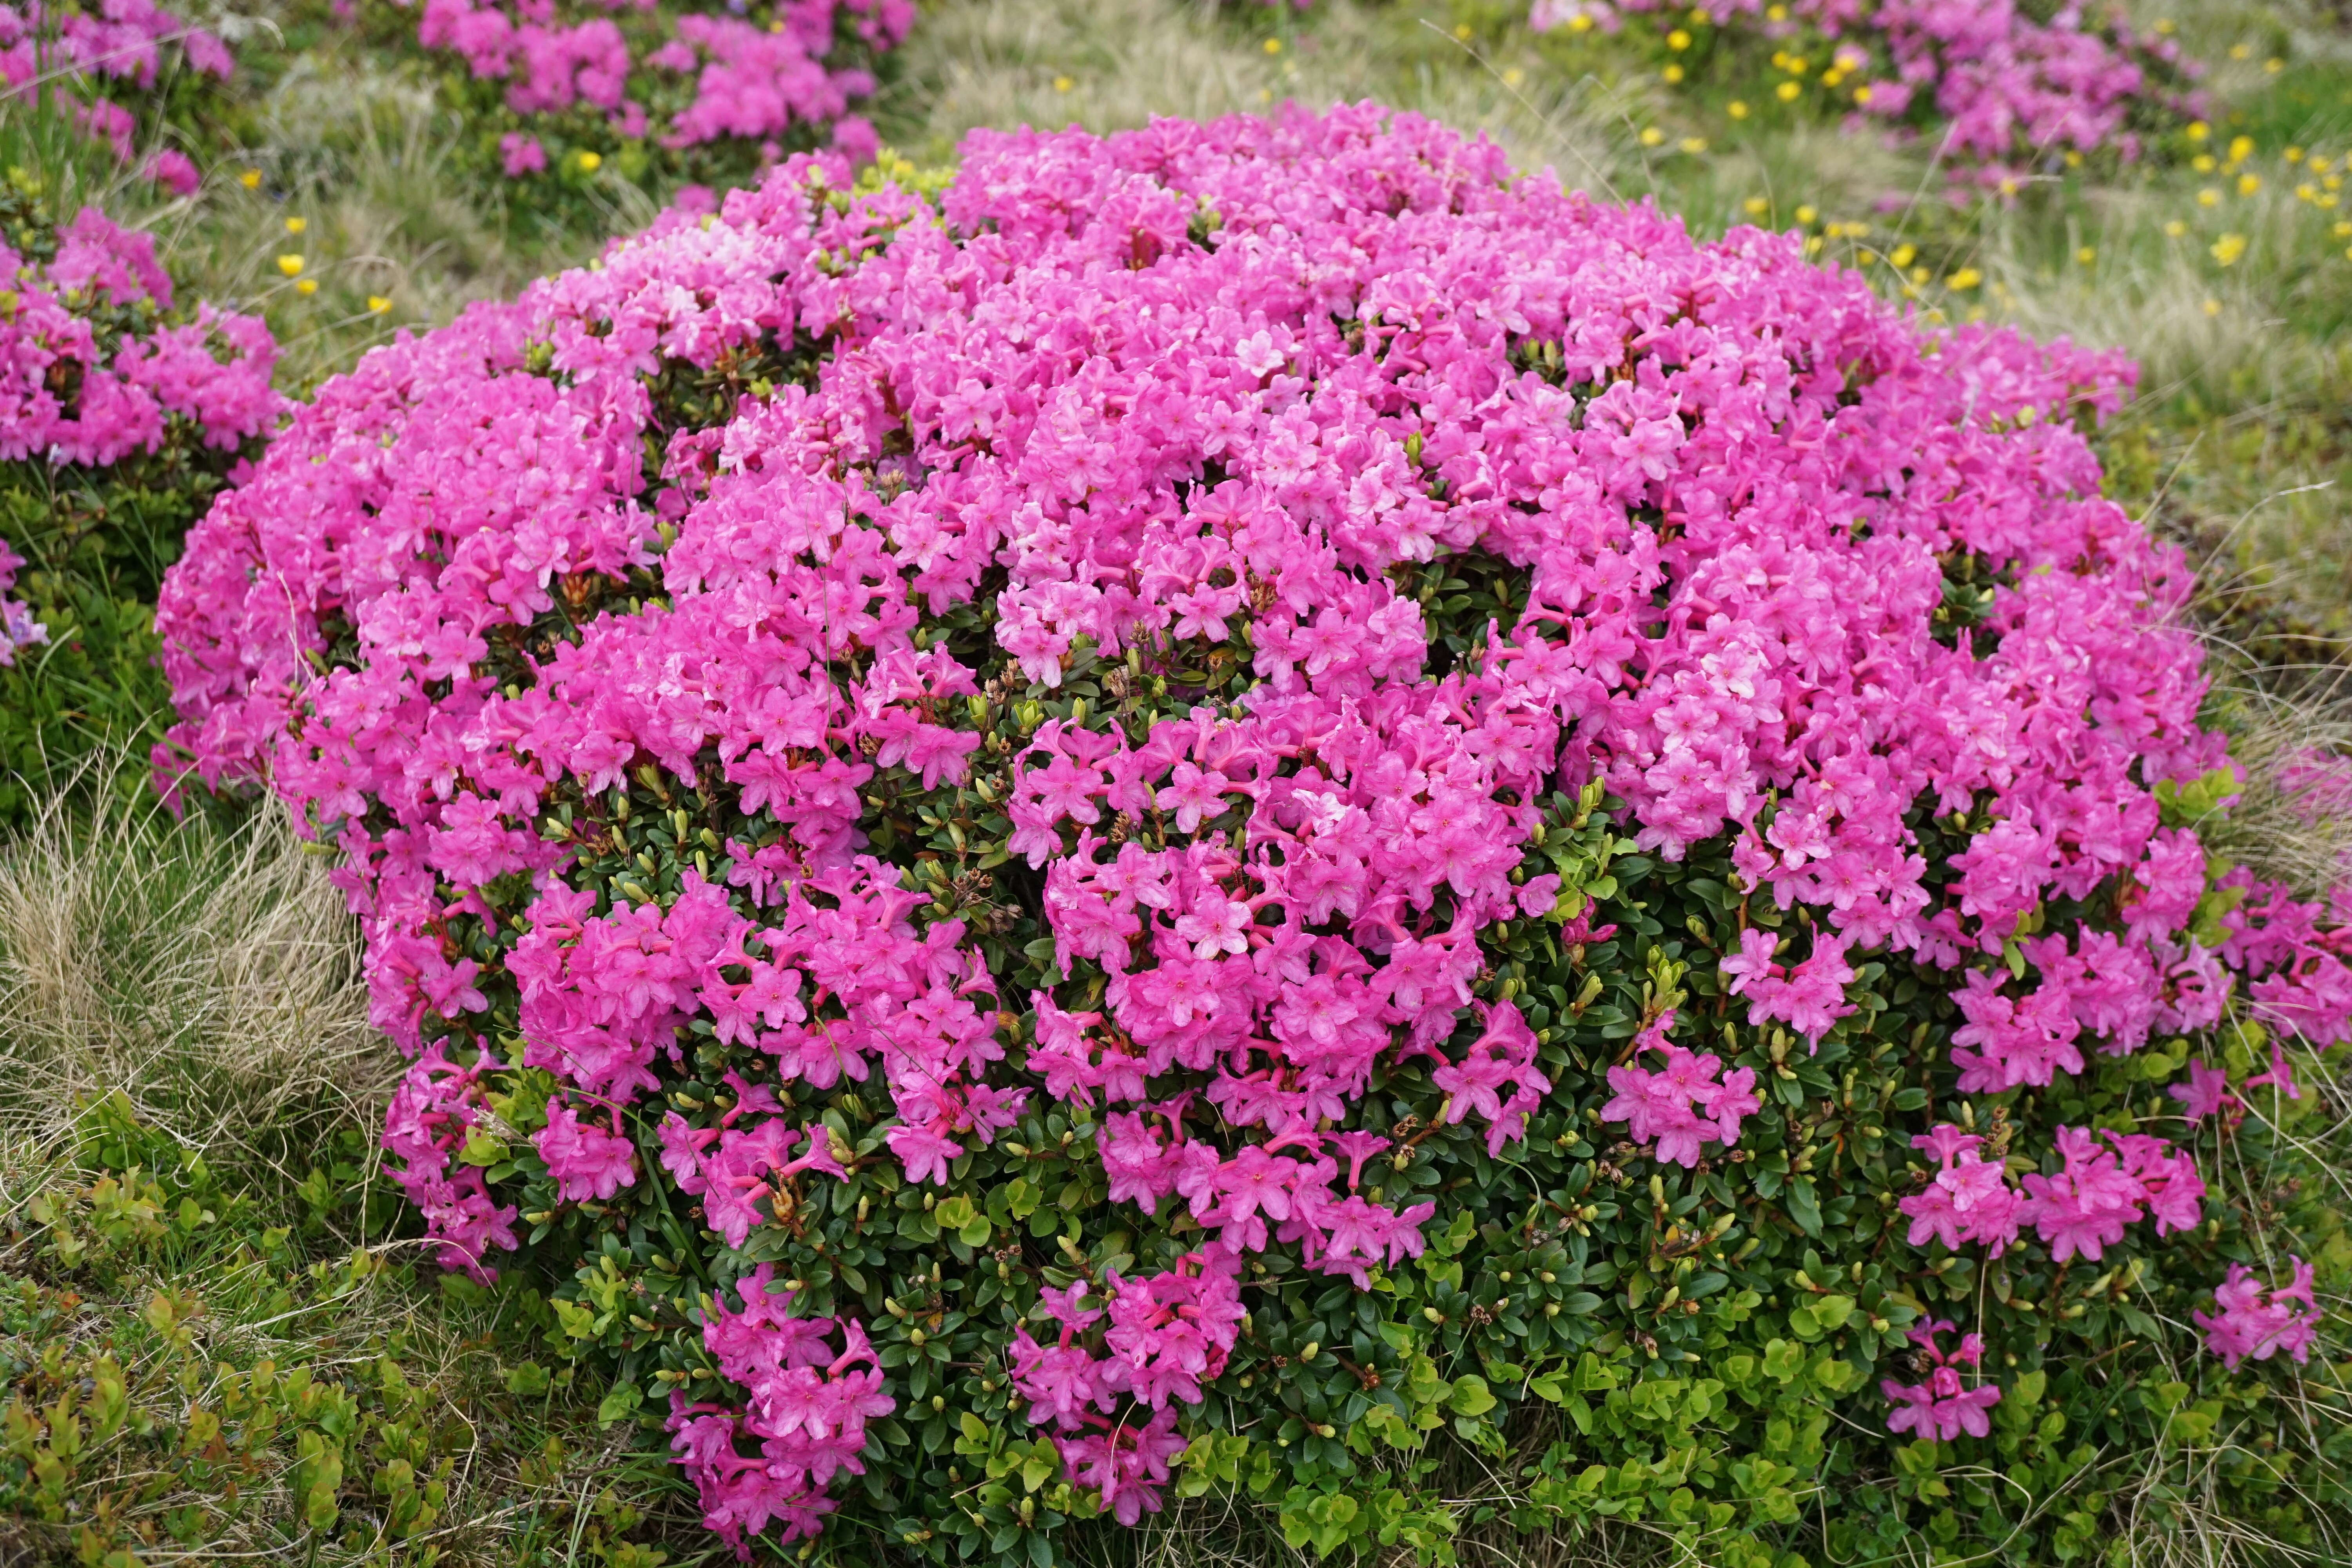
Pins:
<point x="670" y="95"/>
<point x="124" y="417"/>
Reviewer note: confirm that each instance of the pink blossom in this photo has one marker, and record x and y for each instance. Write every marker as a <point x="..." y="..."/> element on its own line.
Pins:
<point x="586" y="1161"/>
<point x="2206" y="1093"/>
<point x="2252" y="1323"/>
<point x="1257" y="909"/>
<point x="1943" y="1406"/>
<point x="1969" y="1199"/>
<point x="1683" y="1106"/>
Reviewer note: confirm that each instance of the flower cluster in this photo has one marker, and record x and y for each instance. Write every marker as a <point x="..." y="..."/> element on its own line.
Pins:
<point x="1943" y="1406"/>
<point x="1167" y="1335"/>
<point x="124" y="45"/>
<point x="2003" y="88"/>
<point x="1065" y="744"/>
<point x="805" y="1406"/>
<point x="1677" y="1109"/>
<point x="424" y="1128"/>
<point x="2083" y="1209"/>
<point x="2256" y="1323"/>
<point x="91" y="372"/>
<point x="616" y="74"/>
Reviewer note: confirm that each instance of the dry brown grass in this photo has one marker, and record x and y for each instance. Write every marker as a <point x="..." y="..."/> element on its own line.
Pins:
<point x="208" y="972"/>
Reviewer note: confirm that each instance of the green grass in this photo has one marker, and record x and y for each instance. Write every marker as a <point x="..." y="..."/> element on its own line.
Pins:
<point x="188" y="1088"/>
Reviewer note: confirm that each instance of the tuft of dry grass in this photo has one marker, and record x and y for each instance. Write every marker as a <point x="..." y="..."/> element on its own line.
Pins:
<point x="207" y="972"/>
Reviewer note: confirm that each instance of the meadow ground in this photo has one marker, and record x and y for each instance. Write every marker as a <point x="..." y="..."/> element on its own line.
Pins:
<point x="250" y="1359"/>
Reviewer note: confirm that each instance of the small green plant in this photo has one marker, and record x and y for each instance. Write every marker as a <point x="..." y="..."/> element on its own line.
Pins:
<point x="190" y="1372"/>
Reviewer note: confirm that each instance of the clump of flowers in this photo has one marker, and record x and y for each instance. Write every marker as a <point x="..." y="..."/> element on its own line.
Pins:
<point x="120" y="414"/>
<point x="2254" y="1322"/>
<point x="94" y="59"/>
<point x="577" y="84"/>
<point x="1943" y="1406"/>
<point x="92" y="370"/>
<point x="1122" y="774"/>
<point x="1997" y="89"/>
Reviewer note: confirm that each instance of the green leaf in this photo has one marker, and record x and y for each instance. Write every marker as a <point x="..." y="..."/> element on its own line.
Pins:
<point x="1471" y="1396"/>
<point x="1804" y="1207"/>
<point x="482" y="1148"/>
<point x="619" y="1404"/>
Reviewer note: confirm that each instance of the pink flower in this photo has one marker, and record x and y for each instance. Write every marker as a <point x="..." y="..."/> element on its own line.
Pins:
<point x="2252" y="1323"/>
<point x="174" y="171"/>
<point x="1684" y="1106"/>
<point x="1967" y="1200"/>
<point x="519" y="154"/>
<point x="2279" y="1073"/>
<point x="585" y="1161"/>
<point x="2206" y="1093"/>
<point x="1942" y="1407"/>
<point x="1261" y="919"/>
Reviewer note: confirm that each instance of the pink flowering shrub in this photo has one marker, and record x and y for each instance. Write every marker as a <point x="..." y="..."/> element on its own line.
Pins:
<point x="1173" y="820"/>
<point x="1997" y="88"/>
<point x="705" y="96"/>
<point x="118" y="69"/>
<point x="120" y="415"/>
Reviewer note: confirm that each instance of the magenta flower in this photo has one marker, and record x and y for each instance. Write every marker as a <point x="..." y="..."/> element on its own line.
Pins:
<point x="2253" y="1323"/>
<point x="1967" y="1200"/>
<point x="585" y="1161"/>
<point x="2207" y="1093"/>
<point x="1943" y="1406"/>
<point x="1684" y="1106"/>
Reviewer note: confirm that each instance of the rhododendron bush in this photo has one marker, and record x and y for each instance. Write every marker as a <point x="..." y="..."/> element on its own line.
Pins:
<point x="121" y="415"/>
<point x="1228" y="809"/>
<point x="116" y="70"/>
<point x="553" y="90"/>
<point x="1997" y="89"/>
